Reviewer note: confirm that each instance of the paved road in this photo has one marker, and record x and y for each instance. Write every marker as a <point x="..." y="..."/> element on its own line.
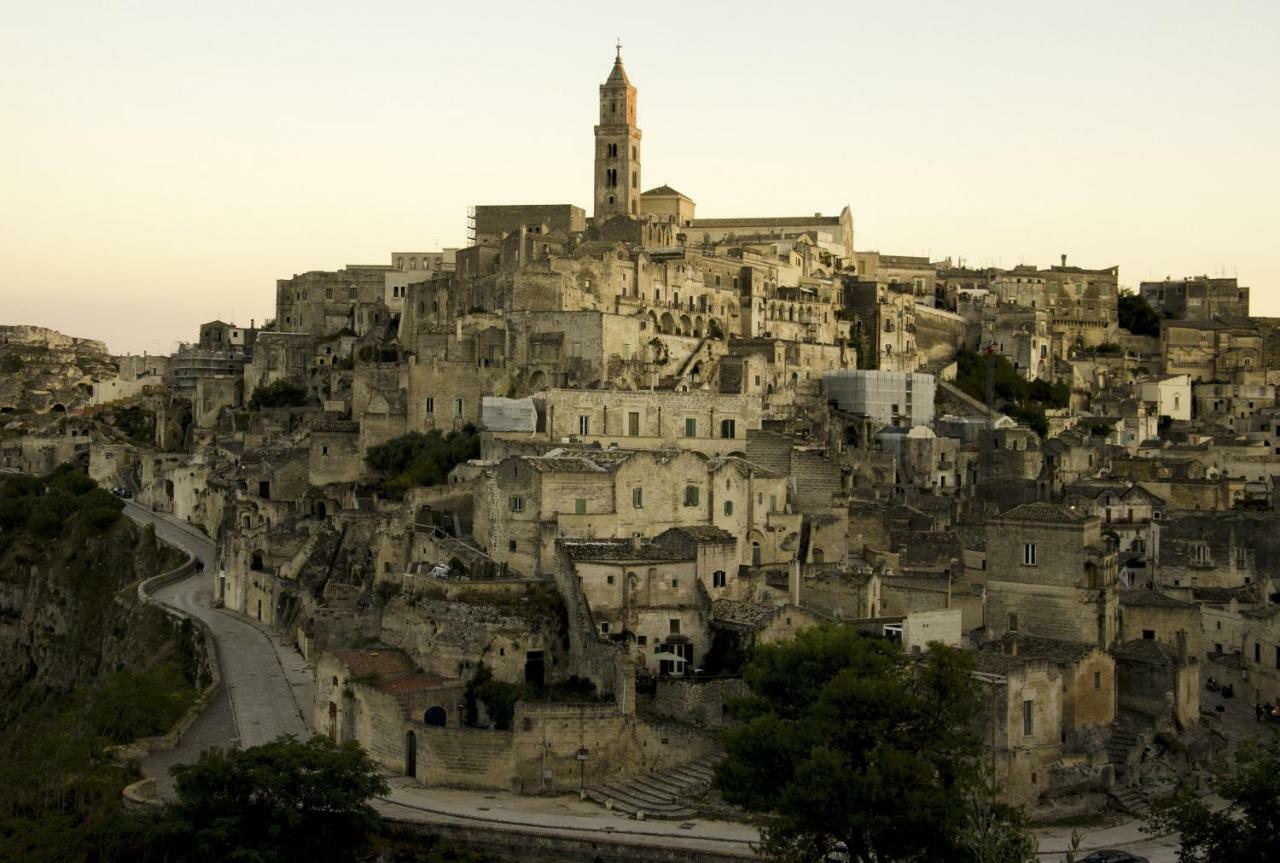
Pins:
<point x="267" y="682"/>
<point x="259" y="686"/>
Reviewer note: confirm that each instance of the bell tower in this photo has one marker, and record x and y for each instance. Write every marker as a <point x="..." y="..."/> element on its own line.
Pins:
<point x="617" y="147"/>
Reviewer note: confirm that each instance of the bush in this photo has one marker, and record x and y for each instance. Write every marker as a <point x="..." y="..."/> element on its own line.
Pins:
<point x="281" y="394"/>
<point x="417" y="459"/>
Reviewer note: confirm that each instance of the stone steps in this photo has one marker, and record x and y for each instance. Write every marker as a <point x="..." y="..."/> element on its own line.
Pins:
<point x="659" y="794"/>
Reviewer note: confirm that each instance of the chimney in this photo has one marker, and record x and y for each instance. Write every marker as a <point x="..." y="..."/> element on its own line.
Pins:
<point x="636" y="541"/>
<point x="251" y="323"/>
<point x="1064" y="260"/>
<point x="793" y="581"/>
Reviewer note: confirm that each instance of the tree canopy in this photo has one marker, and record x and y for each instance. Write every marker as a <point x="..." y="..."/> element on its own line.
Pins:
<point x="283" y="801"/>
<point x="1247" y="828"/>
<point x="1021" y="399"/>
<point x="418" y="459"/>
<point x="854" y="748"/>
<point x="1136" y="315"/>
<point x="280" y="394"/>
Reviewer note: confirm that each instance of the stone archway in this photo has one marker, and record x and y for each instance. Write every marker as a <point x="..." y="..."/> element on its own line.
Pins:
<point x="686" y="325"/>
<point x="668" y="323"/>
<point x="435" y="717"/>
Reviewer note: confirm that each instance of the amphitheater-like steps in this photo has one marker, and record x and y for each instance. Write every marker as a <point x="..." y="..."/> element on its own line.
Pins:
<point x="661" y="794"/>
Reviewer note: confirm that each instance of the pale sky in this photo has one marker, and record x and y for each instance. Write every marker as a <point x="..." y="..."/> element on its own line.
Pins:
<point x="163" y="163"/>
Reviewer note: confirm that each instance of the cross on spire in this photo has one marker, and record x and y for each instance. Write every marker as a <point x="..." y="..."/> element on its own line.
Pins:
<point x="619" y="54"/>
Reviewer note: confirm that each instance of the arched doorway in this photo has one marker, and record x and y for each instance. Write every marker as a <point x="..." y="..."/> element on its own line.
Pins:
<point x="435" y="717"/>
<point x="410" y="754"/>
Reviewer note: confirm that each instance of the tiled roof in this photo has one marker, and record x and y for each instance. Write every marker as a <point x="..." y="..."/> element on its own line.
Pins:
<point x="1051" y="512"/>
<point x="619" y="550"/>
<point x="664" y="189"/>
<point x="699" y="533"/>
<point x="739" y="613"/>
<point x="1152" y="599"/>
<point x="1031" y="647"/>
<point x="1145" y="650"/>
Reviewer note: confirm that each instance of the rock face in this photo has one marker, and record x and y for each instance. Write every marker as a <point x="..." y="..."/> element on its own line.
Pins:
<point x="42" y="370"/>
<point x="68" y="613"/>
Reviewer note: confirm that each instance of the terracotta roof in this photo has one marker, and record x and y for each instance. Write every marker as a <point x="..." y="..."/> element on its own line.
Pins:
<point x="1152" y="599"/>
<point x="1051" y="512"/>
<point x="699" y="533"/>
<point x="1033" y="647"/>
<point x="620" y="550"/>
<point x="737" y="613"/>
<point x="663" y="190"/>
<point x="382" y="662"/>
<point x="1145" y="650"/>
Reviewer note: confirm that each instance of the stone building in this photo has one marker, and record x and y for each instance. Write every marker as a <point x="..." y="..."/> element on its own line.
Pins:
<point x="1211" y="350"/>
<point x="525" y="503"/>
<point x="1049" y="573"/>
<point x="1197" y="298"/>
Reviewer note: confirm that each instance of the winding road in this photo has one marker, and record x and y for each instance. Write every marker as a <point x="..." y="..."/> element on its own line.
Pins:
<point x="267" y="692"/>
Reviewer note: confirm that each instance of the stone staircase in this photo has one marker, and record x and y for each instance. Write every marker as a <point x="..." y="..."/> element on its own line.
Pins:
<point x="1129" y="735"/>
<point x="1132" y="800"/>
<point x="662" y="794"/>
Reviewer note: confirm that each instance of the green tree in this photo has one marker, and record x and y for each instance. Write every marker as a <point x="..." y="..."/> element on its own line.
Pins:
<point x="994" y="832"/>
<point x="281" y="394"/>
<point x="1247" y="828"/>
<point x="1136" y="314"/>
<point x="854" y="748"/>
<point x="287" y="800"/>
<point x="417" y="459"/>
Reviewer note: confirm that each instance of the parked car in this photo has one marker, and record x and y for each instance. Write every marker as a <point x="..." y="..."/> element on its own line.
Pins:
<point x="1114" y="857"/>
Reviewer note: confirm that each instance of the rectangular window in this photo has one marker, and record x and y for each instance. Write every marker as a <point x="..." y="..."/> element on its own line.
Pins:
<point x="690" y="427"/>
<point x="675" y="582"/>
<point x="457" y="407"/>
<point x="1242" y="557"/>
<point x="728" y="429"/>
<point x="1029" y="554"/>
<point x="675" y="625"/>
<point x="642" y="640"/>
<point x="1013" y="621"/>
<point x="1257" y="652"/>
<point x="516" y="504"/>
<point x="1148" y="635"/>
<point x="610" y="579"/>
<point x="773" y="503"/>
<point x="604" y="627"/>
<point x="584" y="425"/>
<point x="1028" y="718"/>
<point x="633" y="424"/>
<point x="580" y="506"/>
<point x="728" y="507"/>
<point x="1097" y="680"/>
<point x="637" y="497"/>
<point x="511" y="545"/>
<point x="431" y="406"/>
<point x="718" y="578"/>
<point x="690" y="495"/>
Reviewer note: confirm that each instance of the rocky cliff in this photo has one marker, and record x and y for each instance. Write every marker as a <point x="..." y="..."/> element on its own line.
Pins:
<point x="43" y="370"/>
<point x="69" y="563"/>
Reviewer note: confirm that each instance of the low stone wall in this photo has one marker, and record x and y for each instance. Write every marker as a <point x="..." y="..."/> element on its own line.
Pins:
<point x="143" y="792"/>
<point x="541" y="846"/>
<point x="700" y="701"/>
